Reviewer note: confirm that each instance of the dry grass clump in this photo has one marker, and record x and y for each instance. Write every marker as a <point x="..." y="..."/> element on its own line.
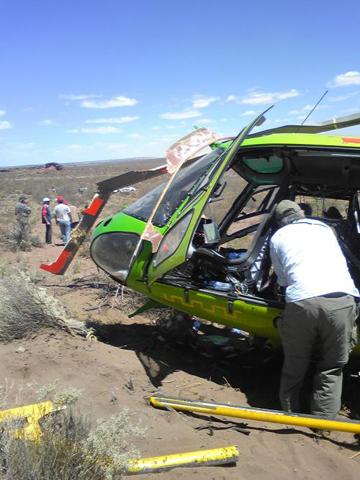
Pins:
<point x="112" y="441"/>
<point x="26" y="309"/>
<point x="59" y="396"/>
<point x="12" y="240"/>
<point x="36" y="241"/>
<point x="59" y="455"/>
<point x="70" y="449"/>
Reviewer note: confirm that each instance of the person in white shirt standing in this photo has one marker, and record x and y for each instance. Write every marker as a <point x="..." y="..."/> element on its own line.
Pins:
<point x="320" y="312"/>
<point x="62" y="215"/>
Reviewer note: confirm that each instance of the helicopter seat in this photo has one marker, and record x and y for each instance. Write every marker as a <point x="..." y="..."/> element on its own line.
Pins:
<point x="252" y="263"/>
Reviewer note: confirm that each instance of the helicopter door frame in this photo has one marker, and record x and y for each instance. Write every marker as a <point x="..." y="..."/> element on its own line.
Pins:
<point x="169" y="254"/>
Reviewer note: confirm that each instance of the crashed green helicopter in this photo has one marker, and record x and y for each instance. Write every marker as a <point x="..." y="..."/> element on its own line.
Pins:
<point x="200" y="242"/>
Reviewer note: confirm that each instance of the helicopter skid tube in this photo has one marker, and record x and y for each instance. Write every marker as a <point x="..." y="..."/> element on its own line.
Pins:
<point x="215" y="456"/>
<point x="257" y="414"/>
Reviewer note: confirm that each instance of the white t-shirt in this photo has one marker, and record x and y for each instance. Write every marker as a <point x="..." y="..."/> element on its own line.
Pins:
<point x="308" y="261"/>
<point x="61" y="212"/>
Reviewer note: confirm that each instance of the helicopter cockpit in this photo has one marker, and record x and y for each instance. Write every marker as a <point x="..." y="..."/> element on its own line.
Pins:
<point x="230" y="248"/>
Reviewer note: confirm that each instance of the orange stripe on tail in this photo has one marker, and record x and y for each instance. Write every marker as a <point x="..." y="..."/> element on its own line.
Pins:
<point x="351" y="139"/>
<point x="60" y="264"/>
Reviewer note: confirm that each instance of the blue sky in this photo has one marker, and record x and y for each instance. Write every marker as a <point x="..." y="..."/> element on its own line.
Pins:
<point x="92" y="80"/>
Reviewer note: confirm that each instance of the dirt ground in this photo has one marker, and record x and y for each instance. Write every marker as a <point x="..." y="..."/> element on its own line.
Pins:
<point x="130" y="362"/>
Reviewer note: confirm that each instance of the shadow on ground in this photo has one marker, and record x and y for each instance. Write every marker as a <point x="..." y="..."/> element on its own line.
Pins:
<point x="253" y="369"/>
<point x="160" y="357"/>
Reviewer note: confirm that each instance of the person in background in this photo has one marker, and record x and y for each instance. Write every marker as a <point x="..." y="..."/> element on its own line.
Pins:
<point x="62" y="215"/>
<point x="22" y="213"/>
<point x="46" y="219"/>
<point x="332" y="213"/>
<point x="75" y="218"/>
<point x="306" y="208"/>
<point x="320" y="311"/>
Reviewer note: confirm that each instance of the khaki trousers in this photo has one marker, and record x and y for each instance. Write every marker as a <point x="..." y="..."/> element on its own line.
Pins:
<point x="326" y="325"/>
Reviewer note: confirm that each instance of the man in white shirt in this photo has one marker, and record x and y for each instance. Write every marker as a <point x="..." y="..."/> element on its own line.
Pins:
<point x="320" y="310"/>
<point x="62" y="215"/>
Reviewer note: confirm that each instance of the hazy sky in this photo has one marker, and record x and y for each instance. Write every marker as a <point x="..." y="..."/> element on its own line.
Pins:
<point x="91" y="79"/>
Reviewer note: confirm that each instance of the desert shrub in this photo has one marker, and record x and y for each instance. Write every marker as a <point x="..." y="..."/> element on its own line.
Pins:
<point x="59" y="455"/>
<point x="12" y="240"/>
<point x="70" y="449"/>
<point x="25" y="308"/>
<point x="36" y="241"/>
<point x="59" y="396"/>
<point x="105" y="442"/>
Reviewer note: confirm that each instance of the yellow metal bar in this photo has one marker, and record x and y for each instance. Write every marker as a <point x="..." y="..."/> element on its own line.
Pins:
<point x="216" y="456"/>
<point x="258" y="414"/>
<point x="32" y="414"/>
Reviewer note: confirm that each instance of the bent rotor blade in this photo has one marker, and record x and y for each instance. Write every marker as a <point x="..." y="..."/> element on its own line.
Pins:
<point x="327" y="126"/>
<point x="90" y="215"/>
<point x="130" y="178"/>
<point x="78" y="235"/>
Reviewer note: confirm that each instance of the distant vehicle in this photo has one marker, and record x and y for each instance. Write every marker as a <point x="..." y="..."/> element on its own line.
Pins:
<point x="126" y="190"/>
<point x="200" y="242"/>
<point x="55" y="165"/>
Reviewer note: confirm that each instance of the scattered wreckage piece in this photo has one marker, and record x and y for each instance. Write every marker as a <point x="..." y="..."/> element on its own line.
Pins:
<point x="214" y="456"/>
<point x="32" y="413"/>
<point x="256" y="414"/>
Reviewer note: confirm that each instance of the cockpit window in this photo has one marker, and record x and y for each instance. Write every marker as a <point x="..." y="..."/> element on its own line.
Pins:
<point x="263" y="164"/>
<point x="188" y="182"/>
<point x="322" y="207"/>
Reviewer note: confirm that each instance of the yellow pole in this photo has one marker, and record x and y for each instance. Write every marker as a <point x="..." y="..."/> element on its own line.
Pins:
<point x="215" y="456"/>
<point x="258" y="414"/>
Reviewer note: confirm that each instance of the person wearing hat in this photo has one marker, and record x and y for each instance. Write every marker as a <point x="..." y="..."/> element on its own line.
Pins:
<point x="320" y="312"/>
<point x="22" y="213"/>
<point x="63" y="218"/>
<point x="46" y="219"/>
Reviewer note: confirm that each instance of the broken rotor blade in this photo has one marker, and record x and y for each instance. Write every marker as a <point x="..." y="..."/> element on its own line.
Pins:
<point x="78" y="235"/>
<point x="214" y="456"/>
<point x="130" y="178"/>
<point x="90" y="214"/>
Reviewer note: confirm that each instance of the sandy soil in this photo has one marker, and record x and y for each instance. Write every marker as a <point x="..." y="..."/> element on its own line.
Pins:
<point x="132" y="362"/>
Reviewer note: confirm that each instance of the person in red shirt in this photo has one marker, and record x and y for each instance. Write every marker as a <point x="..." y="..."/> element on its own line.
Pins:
<point x="46" y="219"/>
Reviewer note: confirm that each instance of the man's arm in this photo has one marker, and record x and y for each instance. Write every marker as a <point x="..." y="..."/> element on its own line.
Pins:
<point x="69" y="213"/>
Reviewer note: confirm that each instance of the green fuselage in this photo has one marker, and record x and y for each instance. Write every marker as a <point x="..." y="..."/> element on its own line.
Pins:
<point x="253" y="314"/>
